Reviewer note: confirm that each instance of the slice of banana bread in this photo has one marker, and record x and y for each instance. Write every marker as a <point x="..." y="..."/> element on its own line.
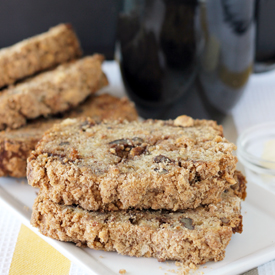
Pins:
<point x="190" y="236"/>
<point x="38" y="53"/>
<point x="175" y="164"/>
<point x="17" y="144"/>
<point x="51" y="92"/>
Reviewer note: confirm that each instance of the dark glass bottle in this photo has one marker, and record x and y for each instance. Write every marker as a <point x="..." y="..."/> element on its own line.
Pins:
<point x="185" y="56"/>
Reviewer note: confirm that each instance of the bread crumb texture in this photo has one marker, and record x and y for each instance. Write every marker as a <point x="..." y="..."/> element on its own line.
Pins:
<point x="190" y="236"/>
<point x="119" y="164"/>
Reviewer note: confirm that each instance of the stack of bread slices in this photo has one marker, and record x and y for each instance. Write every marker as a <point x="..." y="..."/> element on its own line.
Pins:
<point x="42" y="80"/>
<point x="163" y="189"/>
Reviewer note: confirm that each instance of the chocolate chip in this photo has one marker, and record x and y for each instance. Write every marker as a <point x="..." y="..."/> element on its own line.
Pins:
<point x="120" y="151"/>
<point x="161" y="158"/>
<point x="133" y="218"/>
<point x="131" y="221"/>
<point x="187" y="222"/>
<point x="121" y="147"/>
<point x="161" y="171"/>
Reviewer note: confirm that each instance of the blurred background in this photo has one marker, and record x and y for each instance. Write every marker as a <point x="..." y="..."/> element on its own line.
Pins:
<point x="94" y="21"/>
<point x="176" y="56"/>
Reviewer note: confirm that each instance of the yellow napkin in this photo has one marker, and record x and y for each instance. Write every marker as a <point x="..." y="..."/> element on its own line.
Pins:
<point x="33" y="256"/>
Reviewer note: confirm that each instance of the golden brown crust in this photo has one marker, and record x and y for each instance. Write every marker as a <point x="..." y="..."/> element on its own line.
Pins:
<point x="38" y="53"/>
<point x="190" y="236"/>
<point x="51" y="92"/>
<point x="16" y="145"/>
<point x="118" y="165"/>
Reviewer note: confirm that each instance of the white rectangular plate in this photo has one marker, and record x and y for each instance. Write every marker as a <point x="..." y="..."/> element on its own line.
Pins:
<point x="255" y="246"/>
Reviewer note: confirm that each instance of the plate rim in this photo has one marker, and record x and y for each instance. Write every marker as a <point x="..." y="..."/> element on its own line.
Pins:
<point x="93" y="266"/>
